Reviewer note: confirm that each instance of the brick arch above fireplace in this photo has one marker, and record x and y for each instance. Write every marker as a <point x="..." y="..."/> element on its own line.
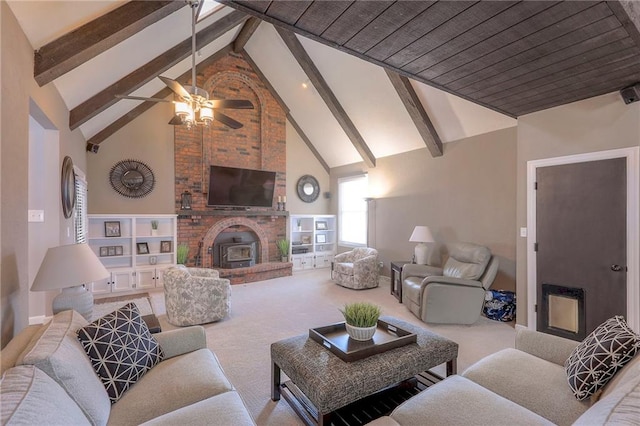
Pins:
<point x="223" y="224"/>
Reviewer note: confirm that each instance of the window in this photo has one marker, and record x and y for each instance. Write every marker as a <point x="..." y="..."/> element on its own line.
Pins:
<point x="352" y="210"/>
<point x="80" y="215"/>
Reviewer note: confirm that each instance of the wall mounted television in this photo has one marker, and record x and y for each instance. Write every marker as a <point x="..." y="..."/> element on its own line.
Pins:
<point x="236" y="187"/>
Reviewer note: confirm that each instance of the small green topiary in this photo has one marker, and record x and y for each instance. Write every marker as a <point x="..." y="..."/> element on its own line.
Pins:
<point x="361" y="314"/>
<point x="182" y="253"/>
<point x="283" y="247"/>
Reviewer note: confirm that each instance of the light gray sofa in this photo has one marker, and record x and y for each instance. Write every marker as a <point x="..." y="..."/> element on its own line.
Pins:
<point x="48" y="379"/>
<point x="522" y="386"/>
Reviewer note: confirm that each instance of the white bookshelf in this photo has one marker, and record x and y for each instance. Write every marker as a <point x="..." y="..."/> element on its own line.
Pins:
<point x="313" y="241"/>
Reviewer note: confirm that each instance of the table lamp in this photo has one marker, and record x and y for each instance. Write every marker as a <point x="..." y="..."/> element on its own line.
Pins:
<point x="69" y="268"/>
<point x="421" y="235"/>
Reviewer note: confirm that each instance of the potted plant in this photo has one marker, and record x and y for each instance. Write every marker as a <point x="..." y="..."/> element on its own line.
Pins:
<point x="361" y="319"/>
<point x="182" y="253"/>
<point x="283" y="248"/>
<point x="299" y="223"/>
<point x="154" y="227"/>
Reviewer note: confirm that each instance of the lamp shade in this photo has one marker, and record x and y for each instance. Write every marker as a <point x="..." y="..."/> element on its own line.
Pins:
<point x="421" y="234"/>
<point x="68" y="266"/>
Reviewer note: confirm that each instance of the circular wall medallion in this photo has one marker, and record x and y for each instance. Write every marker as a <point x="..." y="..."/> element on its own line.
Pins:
<point x="308" y="188"/>
<point x="68" y="187"/>
<point x="132" y="178"/>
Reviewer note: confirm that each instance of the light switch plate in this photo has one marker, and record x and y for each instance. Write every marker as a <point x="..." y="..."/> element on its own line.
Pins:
<point x="523" y="232"/>
<point x="36" y="215"/>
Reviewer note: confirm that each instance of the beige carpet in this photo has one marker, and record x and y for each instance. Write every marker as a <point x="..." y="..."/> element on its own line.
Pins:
<point x="266" y="311"/>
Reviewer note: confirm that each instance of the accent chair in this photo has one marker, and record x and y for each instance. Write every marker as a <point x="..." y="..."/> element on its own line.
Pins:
<point x="356" y="269"/>
<point x="195" y="295"/>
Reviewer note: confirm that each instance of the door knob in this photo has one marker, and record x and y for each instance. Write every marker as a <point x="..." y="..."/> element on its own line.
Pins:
<point x="616" y="268"/>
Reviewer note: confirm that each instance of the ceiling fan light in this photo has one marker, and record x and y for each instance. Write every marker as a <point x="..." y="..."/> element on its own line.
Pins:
<point x="183" y="109"/>
<point x="206" y="115"/>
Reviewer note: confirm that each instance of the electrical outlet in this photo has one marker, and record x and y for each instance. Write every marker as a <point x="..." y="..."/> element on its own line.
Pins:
<point x="380" y="265"/>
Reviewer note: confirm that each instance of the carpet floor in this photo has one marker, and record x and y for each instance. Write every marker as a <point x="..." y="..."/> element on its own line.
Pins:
<point x="266" y="311"/>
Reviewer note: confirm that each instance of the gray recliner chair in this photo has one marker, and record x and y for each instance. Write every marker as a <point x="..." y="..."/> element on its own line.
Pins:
<point x="453" y="294"/>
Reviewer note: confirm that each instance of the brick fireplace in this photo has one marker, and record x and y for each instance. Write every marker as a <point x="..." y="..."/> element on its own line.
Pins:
<point x="260" y="144"/>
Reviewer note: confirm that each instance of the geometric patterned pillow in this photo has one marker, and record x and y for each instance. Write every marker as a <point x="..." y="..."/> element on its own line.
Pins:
<point x="597" y="358"/>
<point x="121" y="349"/>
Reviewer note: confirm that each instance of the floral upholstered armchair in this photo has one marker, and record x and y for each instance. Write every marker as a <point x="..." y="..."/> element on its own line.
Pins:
<point x="357" y="269"/>
<point x="195" y="295"/>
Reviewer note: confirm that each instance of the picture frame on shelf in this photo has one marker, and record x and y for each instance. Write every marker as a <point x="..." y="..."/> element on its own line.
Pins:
<point x="165" y="247"/>
<point x="112" y="228"/>
<point x="104" y="251"/>
<point x="306" y="239"/>
<point x="321" y="238"/>
<point x="143" y="248"/>
<point x="321" y="225"/>
<point x="112" y="250"/>
<point x="119" y="250"/>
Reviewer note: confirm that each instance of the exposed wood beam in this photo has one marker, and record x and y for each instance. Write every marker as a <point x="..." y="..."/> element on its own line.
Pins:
<point x="284" y="106"/>
<point x="144" y="106"/>
<point x="303" y="58"/>
<point x="628" y="12"/>
<point x="417" y="112"/>
<point x="78" y="46"/>
<point x="307" y="141"/>
<point x="136" y="79"/>
<point x="245" y="34"/>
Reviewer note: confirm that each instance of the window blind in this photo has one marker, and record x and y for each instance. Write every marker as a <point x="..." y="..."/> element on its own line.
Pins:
<point x="80" y="216"/>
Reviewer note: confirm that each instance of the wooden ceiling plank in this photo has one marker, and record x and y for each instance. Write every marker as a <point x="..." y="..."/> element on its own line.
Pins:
<point x="353" y="20"/>
<point x="312" y="72"/>
<point x="307" y="142"/>
<point x="162" y="94"/>
<point x="604" y="69"/>
<point x="492" y="36"/>
<point x="288" y="11"/>
<point x="560" y="36"/>
<point x="628" y="12"/>
<point x="386" y="23"/>
<point x="417" y="113"/>
<point x="260" y="6"/>
<point x="319" y="39"/>
<point x="417" y="27"/>
<point x="245" y="34"/>
<point x="567" y="68"/>
<point x="540" y="61"/>
<point x="88" y="41"/>
<point x="136" y="79"/>
<point x="452" y="28"/>
<point x="596" y="87"/>
<point x="321" y="14"/>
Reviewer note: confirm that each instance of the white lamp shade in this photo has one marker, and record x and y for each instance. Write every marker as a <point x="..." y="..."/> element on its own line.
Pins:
<point x="421" y="234"/>
<point x="68" y="266"/>
<point x="206" y="115"/>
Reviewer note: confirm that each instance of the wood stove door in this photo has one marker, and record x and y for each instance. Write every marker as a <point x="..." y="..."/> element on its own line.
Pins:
<point x="582" y="236"/>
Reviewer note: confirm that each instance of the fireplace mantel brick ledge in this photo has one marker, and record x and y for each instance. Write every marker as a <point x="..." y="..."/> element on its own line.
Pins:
<point x="260" y="272"/>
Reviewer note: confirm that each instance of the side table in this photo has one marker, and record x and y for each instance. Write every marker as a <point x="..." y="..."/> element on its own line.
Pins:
<point x="396" y="278"/>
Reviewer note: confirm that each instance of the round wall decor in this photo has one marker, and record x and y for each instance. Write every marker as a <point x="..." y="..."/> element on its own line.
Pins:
<point x="308" y="188"/>
<point x="68" y="187"/>
<point x="132" y="178"/>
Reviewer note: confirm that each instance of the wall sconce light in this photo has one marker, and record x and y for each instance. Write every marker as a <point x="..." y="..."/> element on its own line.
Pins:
<point x="185" y="201"/>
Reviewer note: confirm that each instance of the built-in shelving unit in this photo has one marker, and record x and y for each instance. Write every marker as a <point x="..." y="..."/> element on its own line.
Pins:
<point x="132" y="251"/>
<point x="313" y="241"/>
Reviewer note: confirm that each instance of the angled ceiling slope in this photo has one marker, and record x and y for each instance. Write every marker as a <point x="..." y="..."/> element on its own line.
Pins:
<point x="513" y="57"/>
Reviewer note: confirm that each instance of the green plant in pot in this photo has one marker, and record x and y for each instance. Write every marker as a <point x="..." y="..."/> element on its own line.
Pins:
<point x="182" y="254"/>
<point x="361" y="319"/>
<point x="283" y="249"/>
<point x="154" y="227"/>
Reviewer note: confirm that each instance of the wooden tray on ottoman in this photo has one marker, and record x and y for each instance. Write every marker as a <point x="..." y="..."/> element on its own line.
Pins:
<point x="335" y="338"/>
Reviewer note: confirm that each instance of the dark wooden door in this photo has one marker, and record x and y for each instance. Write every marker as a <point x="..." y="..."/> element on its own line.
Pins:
<point x="582" y="236"/>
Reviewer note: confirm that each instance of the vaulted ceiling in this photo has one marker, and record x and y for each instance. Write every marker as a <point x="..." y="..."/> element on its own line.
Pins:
<point x="360" y="79"/>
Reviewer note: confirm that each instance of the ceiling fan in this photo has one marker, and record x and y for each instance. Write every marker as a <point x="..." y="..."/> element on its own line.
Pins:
<point x="194" y="105"/>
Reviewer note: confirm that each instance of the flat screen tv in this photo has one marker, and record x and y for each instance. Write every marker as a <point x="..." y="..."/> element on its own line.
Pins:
<point x="235" y="187"/>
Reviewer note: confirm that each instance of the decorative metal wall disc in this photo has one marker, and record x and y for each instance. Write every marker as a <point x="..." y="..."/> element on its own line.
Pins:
<point x="132" y="178"/>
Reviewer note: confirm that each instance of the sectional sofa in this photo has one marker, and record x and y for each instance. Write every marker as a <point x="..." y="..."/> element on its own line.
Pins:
<point x="522" y="386"/>
<point x="49" y="379"/>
